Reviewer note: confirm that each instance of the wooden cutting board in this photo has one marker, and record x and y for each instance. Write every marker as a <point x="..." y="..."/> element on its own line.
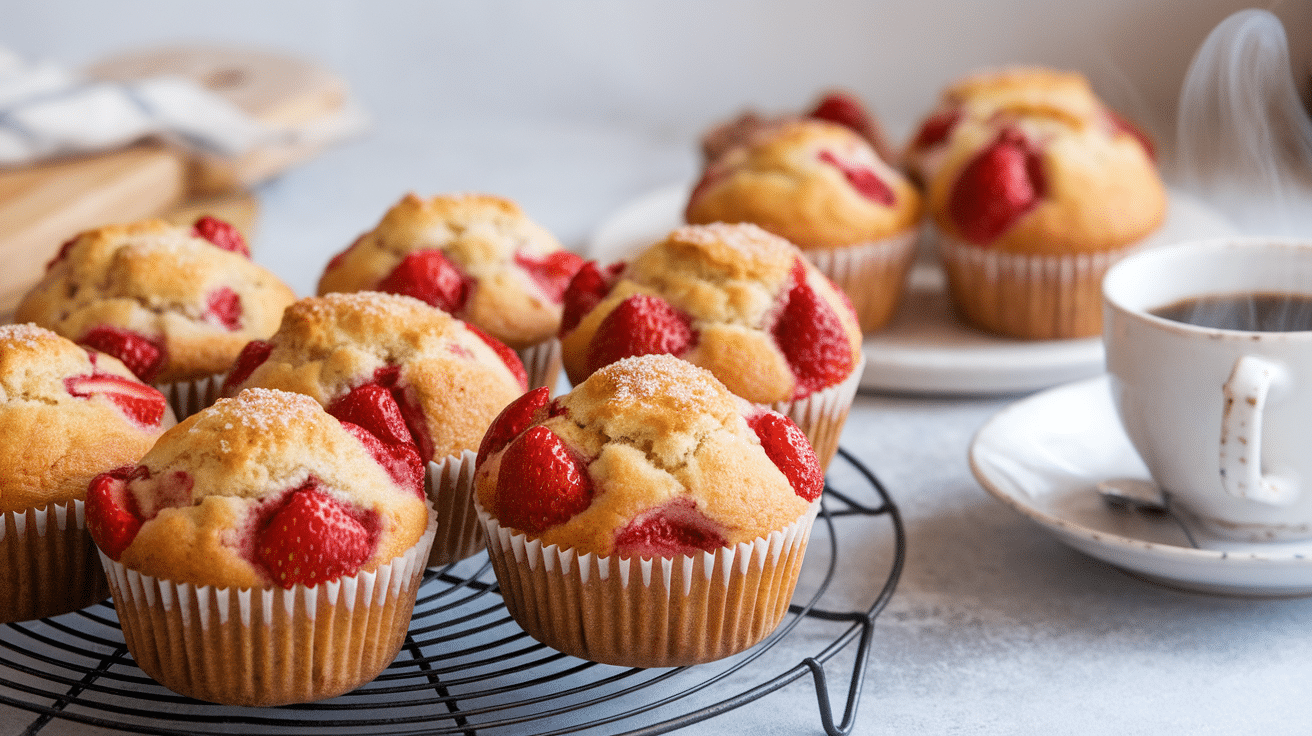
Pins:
<point x="42" y="206"/>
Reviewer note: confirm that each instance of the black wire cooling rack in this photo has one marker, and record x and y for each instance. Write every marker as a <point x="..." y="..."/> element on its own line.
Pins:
<point x="466" y="667"/>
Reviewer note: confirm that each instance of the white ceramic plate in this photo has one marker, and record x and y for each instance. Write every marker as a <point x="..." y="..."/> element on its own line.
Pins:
<point x="925" y="349"/>
<point x="1045" y="455"/>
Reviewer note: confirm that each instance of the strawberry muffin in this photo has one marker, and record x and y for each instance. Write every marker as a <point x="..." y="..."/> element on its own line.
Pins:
<point x="835" y="106"/>
<point x="475" y="256"/>
<point x="175" y="304"/>
<point x="1032" y="204"/>
<point x="264" y="552"/>
<point x="736" y="300"/>
<point x="649" y="518"/>
<point x="368" y="354"/>
<point x="821" y="186"/>
<point x="66" y="414"/>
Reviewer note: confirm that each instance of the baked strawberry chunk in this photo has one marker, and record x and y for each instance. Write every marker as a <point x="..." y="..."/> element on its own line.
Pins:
<point x="677" y="528"/>
<point x="786" y="446"/>
<point x="640" y="325"/>
<point x="553" y="272"/>
<point x="143" y="356"/>
<point x="251" y="357"/>
<point x="589" y="286"/>
<point x="314" y="538"/>
<point x="863" y="179"/>
<point x="997" y="188"/>
<point x="811" y="337"/>
<point x="111" y="510"/>
<point x="373" y="407"/>
<point x="222" y="234"/>
<point x="224" y="306"/>
<point x="512" y="421"/>
<point x="541" y="482"/>
<point x="936" y="128"/>
<point x="429" y="276"/>
<point x="508" y="356"/>
<point x="143" y="404"/>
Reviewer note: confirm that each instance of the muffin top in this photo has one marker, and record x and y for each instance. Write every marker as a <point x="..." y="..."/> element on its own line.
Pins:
<point x="651" y="456"/>
<point x="734" y="299"/>
<point x="447" y="380"/>
<point x="836" y="106"/>
<point x="260" y="490"/>
<point x="1040" y="180"/>
<point x="66" y="414"/>
<point x="173" y="303"/>
<point x="815" y="183"/>
<point x="476" y="256"/>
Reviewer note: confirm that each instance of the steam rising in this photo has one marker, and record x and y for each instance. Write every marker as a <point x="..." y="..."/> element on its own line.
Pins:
<point x="1244" y="140"/>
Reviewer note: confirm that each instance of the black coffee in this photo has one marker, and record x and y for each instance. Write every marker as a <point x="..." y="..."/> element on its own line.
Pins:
<point x="1259" y="312"/>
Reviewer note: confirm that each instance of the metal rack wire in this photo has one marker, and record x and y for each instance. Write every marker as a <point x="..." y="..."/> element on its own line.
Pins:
<point x="466" y="667"/>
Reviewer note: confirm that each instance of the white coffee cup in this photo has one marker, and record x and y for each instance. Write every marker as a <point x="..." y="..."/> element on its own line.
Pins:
<point x="1221" y="417"/>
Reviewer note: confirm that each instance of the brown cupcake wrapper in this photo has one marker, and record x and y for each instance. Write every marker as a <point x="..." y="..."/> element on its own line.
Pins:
<point x="268" y="646"/>
<point x="638" y="612"/>
<point x="543" y="363"/>
<point x="48" y="563"/>
<point x="190" y="397"/>
<point x="450" y="488"/>
<point x="1043" y="297"/>
<point x="821" y="415"/>
<point x="872" y="274"/>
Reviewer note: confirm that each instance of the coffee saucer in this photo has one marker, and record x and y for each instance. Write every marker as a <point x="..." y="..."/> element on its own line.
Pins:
<point x="1045" y="455"/>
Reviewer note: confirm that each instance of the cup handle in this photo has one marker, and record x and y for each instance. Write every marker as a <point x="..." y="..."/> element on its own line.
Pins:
<point x="1246" y="392"/>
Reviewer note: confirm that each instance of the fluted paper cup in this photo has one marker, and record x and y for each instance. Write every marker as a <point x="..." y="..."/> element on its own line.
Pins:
<point x="543" y="363"/>
<point x="873" y="274"/>
<point x="821" y="415"/>
<point x="450" y="488"/>
<point x="189" y="397"/>
<point x="638" y="612"/>
<point x="48" y="563"/>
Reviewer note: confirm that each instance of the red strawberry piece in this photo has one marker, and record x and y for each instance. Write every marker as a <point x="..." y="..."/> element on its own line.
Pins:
<point x="62" y="254"/>
<point x="111" y="510"/>
<point x="141" y="355"/>
<point x="791" y="452"/>
<point x="221" y="234"/>
<point x="863" y="179"/>
<point x="508" y="356"/>
<point x="811" y="337"/>
<point x="1121" y="125"/>
<point x="430" y="277"/>
<point x="936" y="128"/>
<point x="401" y="460"/>
<point x="640" y="325"/>
<point x="416" y="420"/>
<point x="589" y="286"/>
<point x="141" y="403"/>
<point x="311" y="539"/>
<point x="224" y="306"/>
<point x="677" y="528"/>
<point x="251" y="357"/>
<point x="541" y="483"/>
<point x="512" y="421"/>
<point x="373" y="407"/>
<point x="997" y="188"/>
<point x="552" y="272"/>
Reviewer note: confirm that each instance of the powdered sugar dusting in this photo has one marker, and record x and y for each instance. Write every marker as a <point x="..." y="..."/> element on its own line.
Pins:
<point x="647" y="378"/>
<point x="263" y="409"/>
<point x="751" y="241"/>
<point x="27" y="335"/>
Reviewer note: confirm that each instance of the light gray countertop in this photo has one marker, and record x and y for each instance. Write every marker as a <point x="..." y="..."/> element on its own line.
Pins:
<point x="996" y="626"/>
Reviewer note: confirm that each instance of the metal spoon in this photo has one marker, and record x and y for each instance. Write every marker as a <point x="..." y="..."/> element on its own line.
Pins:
<point x="1137" y="494"/>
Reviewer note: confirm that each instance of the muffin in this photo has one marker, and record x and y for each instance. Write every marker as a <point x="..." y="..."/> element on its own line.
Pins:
<point x="836" y="106"/>
<point x="735" y="300"/>
<point x="263" y="552"/>
<point x="649" y="518"/>
<point x="66" y="415"/>
<point x="822" y="187"/>
<point x="1032" y="204"/>
<point x="368" y="352"/>
<point x="475" y="256"/>
<point x="175" y="304"/>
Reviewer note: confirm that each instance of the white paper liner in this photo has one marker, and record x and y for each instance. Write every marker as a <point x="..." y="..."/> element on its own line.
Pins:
<point x="871" y="274"/>
<point x="821" y="415"/>
<point x="1044" y="297"/>
<point x="269" y="646"/>
<point x="638" y="612"/>
<point x="543" y="364"/>
<point x="190" y="397"/>
<point x="48" y="563"/>
<point x="450" y="488"/>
